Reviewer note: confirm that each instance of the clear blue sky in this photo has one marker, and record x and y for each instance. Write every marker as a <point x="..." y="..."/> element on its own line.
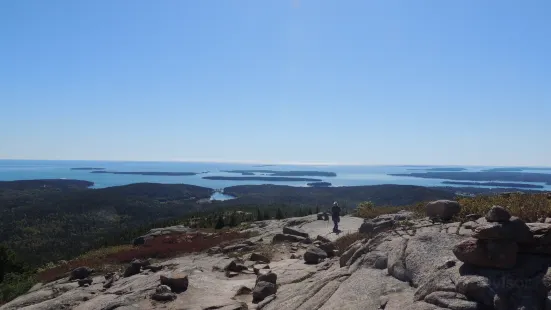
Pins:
<point x="371" y="82"/>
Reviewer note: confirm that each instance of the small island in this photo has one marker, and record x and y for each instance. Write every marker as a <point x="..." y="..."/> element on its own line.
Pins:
<point x="87" y="168"/>
<point x="319" y="184"/>
<point x="172" y="174"/>
<point x="442" y="169"/>
<point x="261" y="178"/>
<point x="276" y="173"/>
<point x="494" y="184"/>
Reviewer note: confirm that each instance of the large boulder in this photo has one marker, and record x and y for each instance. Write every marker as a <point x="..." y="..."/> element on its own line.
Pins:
<point x="81" y="273"/>
<point x="487" y="253"/>
<point x="498" y="214"/>
<point x="178" y="282"/>
<point x="314" y="255"/>
<point x="262" y="290"/>
<point x="372" y="227"/>
<point x="295" y="231"/>
<point x="442" y="209"/>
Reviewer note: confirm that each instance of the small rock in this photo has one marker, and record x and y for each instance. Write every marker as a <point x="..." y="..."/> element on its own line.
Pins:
<point x="294" y="256"/>
<point x="257" y="268"/>
<point x="140" y="262"/>
<point x="163" y="293"/>
<point x="214" y="250"/>
<point x="237" y="247"/>
<point x="268" y="277"/>
<point x="257" y="257"/>
<point x="131" y="270"/>
<point x="487" y="253"/>
<point x="313" y="255"/>
<point x="82" y="282"/>
<point x="263" y="290"/>
<point x="235" y="266"/>
<point x="285" y="237"/>
<point x="442" y="209"/>
<point x="139" y="241"/>
<point x="498" y="214"/>
<point x="295" y="231"/>
<point x="263" y="272"/>
<point x="320" y="216"/>
<point x="328" y="248"/>
<point x="81" y="273"/>
<point x="243" y="290"/>
<point x="451" y="300"/>
<point x="472" y="217"/>
<point x="153" y="268"/>
<point x="322" y="239"/>
<point x="383" y="300"/>
<point x="178" y="282"/>
<point x="231" y="274"/>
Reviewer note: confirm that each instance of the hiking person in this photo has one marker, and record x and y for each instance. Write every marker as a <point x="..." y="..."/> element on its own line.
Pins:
<point x="336" y="215"/>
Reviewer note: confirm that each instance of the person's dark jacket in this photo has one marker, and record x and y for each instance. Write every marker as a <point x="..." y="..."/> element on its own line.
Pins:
<point x="336" y="212"/>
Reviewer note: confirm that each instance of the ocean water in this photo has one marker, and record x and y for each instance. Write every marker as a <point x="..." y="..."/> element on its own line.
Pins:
<point x="346" y="175"/>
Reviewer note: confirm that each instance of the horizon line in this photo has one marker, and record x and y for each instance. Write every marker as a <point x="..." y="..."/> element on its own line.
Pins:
<point x="255" y="162"/>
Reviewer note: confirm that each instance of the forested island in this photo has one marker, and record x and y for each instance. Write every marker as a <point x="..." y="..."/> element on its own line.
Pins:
<point x="439" y="169"/>
<point x="497" y="184"/>
<point x="483" y="176"/>
<point x="261" y="178"/>
<point x="287" y="173"/>
<point x="147" y="173"/>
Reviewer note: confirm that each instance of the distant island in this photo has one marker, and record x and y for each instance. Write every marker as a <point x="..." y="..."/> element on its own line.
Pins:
<point x="87" y="168"/>
<point x="515" y="169"/>
<point x="512" y="185"/>
<point x="483" y="176"/>
<point x="276" y="173"/>
<point x="261" y="178"/>
<point x="60" y="184"/>
<point x="439" y="169"/>
<point x="260" y="166"/>
<point x="146" y="173"/>
<point x="319" y="184"/>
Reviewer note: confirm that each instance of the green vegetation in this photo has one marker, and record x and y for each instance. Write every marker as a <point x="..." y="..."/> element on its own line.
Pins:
<point x="529" y="207"/>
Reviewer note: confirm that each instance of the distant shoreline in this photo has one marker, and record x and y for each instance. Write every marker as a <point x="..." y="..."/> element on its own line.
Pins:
<point x="496" y="184"/>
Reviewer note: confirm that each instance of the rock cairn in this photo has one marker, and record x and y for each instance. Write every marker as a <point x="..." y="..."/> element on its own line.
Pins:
<point x="500" y="237"/>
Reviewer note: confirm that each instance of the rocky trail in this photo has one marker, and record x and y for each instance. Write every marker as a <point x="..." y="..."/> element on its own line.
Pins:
<point x="399" y="262"/>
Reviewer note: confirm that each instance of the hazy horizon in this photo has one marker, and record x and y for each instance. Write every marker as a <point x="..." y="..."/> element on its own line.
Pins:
<point x="273" y="163"/>
<point x="296" y="81"/>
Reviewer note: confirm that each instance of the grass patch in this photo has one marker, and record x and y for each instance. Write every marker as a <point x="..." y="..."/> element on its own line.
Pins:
<point x="528" y="207"/>
<point x="162" y="247"/>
